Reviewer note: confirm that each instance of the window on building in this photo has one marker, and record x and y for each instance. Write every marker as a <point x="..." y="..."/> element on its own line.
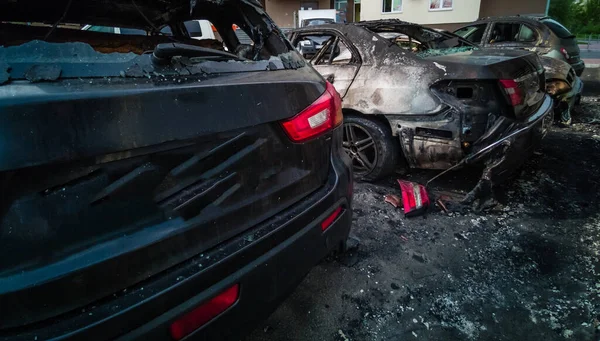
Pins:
<point x="512" y="32"/>
<point x="436" y="5"/>
<point x="392" y="6"/>
<point x="472" y="33"/>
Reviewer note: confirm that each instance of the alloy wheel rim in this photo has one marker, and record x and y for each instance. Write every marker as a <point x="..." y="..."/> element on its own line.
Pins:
<point x="360" y="146"/>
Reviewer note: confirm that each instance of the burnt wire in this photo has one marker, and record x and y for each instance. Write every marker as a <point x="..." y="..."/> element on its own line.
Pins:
<point x="59" y="20"/>
<point x="151" y="23"/>
<point x="144" y="16"/>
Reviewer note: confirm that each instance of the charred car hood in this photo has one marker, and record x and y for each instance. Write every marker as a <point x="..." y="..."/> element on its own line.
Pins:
<point x="123" y="13"/>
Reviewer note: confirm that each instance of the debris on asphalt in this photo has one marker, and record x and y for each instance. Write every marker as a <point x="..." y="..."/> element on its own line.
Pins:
<point x="421" y="257"/>
<point x="488" y="275"/>
<point x="441" y="205"/>
<point x="393" y="199"/>
<point x="343" y="335"/>
<point x="352" y="243"/>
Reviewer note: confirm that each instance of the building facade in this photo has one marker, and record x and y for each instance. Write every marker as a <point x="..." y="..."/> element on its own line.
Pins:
<point x="445" y="14"/>
<point x="283" y="11"/>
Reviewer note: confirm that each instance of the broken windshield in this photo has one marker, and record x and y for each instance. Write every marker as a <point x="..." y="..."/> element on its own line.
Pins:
<point x="417" y="38"/>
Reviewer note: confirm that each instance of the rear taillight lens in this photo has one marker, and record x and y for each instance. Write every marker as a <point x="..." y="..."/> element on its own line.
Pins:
<point x="201" y="315"/>
<point x="511" y="88"/>
<point x="414" y="198"/>
<point x="321" y="116"/>
<point x="565" y="53"/>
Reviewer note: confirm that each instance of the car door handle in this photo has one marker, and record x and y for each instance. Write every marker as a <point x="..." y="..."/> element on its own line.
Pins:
<point x="330" y="78"/>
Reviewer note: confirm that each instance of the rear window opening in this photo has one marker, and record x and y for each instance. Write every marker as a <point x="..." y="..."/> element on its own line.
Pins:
<point x="421" y="40"/>
<point x="108" y="39"/>
<point x="109" y="26"/>
<point x="139" y="41"/>
<point x="325" y="49"/>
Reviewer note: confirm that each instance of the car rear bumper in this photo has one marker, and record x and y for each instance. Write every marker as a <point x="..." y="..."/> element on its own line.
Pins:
<point x="566" y="101"/>
<point x="510" y="143"/>
<point x="576" y="90"/>
<point x="578" y="67"/>
<point x="267" y="261"/>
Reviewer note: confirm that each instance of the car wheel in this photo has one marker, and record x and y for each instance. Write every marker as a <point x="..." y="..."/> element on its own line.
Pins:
<point x="372" y="148"/>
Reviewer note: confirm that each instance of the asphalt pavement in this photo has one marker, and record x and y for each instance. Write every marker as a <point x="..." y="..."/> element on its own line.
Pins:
<point x="526" y="270"/>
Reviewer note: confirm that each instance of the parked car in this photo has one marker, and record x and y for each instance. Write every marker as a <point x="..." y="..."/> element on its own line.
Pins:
<point x="550" y="40"/>
<point x="543" y="35"/>
<point x="310" y="45"/>
<point x="446" y="105"/>
<point x="176" y="194"/>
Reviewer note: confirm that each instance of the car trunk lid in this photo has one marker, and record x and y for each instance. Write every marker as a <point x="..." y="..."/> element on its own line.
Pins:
<point x="120" y="178"/>
<point x="520" y="74"/>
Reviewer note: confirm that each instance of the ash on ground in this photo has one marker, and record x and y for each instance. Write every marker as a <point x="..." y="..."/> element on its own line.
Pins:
<point x="527" y="270"/>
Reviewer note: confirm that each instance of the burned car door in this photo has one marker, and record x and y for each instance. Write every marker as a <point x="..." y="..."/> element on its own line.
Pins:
<point x="334" y="58"/>
<point x="513" y="35"/>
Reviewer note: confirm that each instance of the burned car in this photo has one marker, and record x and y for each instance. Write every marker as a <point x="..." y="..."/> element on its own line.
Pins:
<point x="443" y="106"/>
<point x="540" y="34"/>
<point x="554" y="43"/>
<point x="157" y="186"/>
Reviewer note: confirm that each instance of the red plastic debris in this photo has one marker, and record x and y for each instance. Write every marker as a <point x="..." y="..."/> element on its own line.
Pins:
<point x="414" y="198"/>
<point x="393" y="199"/>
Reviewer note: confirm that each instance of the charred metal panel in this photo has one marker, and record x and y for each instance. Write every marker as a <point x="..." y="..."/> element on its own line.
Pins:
<point x="431" y="142"/>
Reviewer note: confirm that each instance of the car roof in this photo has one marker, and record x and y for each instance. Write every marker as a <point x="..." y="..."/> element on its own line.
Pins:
<point x="533" y="20"/>
<point x="529" y="17"/>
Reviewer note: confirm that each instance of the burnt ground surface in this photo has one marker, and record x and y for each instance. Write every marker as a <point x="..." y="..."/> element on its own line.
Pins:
<point x="527" y="270"/>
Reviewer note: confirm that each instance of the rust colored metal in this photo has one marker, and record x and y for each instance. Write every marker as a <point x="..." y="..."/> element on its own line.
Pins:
<point x="394" y="200"/>
<point x="440" y="203"/>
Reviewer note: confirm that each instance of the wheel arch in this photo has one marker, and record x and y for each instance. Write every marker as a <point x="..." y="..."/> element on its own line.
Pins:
<point x="375" y="117"/>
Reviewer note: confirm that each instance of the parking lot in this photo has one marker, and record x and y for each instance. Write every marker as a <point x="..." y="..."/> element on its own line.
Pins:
<point x="528" y="267"/>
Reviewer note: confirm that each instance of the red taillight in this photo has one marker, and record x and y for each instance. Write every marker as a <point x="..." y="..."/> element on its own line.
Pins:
<point x="321" y="116"/>
<point x="331" y="218"/>
<point x="511" y="88"/>
<point x="414" y="198"/>
<point x="565" y="53"/>
<point x="204" y="313"/>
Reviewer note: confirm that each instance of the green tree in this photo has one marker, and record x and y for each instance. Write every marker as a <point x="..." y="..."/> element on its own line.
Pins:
<point x="562" y="11"/>
<point x="581" y="16"/>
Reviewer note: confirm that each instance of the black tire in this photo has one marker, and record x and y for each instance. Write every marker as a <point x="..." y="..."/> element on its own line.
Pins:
<point x="382" y="154"/>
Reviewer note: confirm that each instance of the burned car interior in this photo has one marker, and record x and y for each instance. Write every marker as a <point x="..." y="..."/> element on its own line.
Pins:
<point x="416" y="37"/>
<point x="161" y="27"/>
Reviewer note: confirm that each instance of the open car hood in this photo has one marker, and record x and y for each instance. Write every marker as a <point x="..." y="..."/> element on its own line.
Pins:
<point x="122" y="13"/>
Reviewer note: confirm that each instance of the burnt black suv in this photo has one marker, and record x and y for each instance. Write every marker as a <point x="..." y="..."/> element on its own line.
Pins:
<point x="159" y="187"/>
<point x="542" y="35"/>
